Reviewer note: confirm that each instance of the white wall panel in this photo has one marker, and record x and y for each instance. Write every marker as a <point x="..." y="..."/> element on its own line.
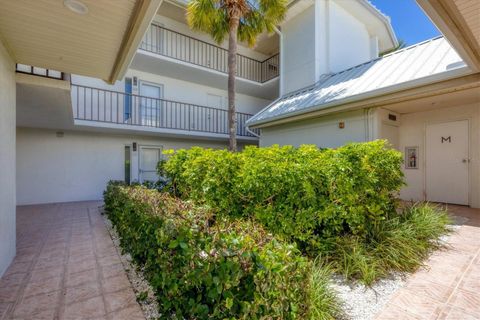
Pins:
<point x="77" y="166"/>
<point x="7" y="159"/>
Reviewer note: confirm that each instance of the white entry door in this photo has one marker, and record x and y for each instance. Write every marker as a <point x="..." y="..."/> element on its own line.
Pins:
<point x="149" y="157"/>
<point x="150" y="104"/>
<point x="447" y="162"/>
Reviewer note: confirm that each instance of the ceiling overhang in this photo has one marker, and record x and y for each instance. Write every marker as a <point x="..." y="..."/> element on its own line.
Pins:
<point x="100" y="43"/>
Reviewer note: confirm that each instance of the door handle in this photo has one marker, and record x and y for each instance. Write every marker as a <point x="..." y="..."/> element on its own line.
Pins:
<point x="465" y="160"/>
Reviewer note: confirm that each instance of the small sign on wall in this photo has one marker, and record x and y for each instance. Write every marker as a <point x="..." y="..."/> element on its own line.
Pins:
<point x="411" y="157"/>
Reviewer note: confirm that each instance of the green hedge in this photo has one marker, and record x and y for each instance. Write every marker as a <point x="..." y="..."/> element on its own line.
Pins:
<point x="206" y="267"/>
<point x="303" y="194"/>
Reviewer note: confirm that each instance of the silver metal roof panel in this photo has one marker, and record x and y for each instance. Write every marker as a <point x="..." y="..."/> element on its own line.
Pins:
<point x="425" y="59"/>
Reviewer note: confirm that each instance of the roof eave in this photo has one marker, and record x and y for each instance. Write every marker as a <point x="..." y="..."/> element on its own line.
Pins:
<point x="459" y="72"/>
<point x="385" y="20"/>
<point x="139" y="22"/>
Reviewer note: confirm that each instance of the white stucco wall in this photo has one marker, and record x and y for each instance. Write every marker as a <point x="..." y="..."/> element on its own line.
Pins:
<point x="324" y="38"/>
<point x="412" y="133"/>
<point x="299" y="50"/>
<point x="78" y="165"/>
<point x="323" y="132"/>
<point x="350" y="42"/>
<point x="7" y="159"/>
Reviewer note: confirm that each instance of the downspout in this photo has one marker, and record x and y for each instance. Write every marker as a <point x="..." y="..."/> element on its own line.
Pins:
<point x="369" y="124"/>
<point x="282" y="61"/>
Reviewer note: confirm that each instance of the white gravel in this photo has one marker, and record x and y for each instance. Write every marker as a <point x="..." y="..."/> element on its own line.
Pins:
<point x="141" y="286"/>
<point x="361" y="302"/>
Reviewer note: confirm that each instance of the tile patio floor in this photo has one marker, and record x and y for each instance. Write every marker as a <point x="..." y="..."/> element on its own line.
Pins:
<point x="449" y="287"/>
<point x="66" y="267"/>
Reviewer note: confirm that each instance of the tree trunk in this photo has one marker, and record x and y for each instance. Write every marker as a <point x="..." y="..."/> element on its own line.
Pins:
<point x="232" y="70"/>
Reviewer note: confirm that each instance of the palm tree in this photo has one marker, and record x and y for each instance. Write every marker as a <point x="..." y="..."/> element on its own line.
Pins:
<point x="240" y="20"/>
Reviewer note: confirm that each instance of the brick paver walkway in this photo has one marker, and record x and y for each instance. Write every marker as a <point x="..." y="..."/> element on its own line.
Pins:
<point x="449" y="287"/>
<point x="66" y="267"/>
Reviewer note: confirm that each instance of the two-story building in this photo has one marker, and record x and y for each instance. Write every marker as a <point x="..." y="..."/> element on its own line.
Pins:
<point x="319" y="79"/>
<point x="74" y="133"/>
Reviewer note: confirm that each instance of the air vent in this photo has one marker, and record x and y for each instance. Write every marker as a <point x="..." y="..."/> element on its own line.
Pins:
<point x="392" y="117"/>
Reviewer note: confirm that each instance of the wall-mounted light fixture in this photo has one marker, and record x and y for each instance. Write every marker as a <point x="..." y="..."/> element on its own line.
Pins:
<point x="341" y="125"/>
<point x="134" y="147"/>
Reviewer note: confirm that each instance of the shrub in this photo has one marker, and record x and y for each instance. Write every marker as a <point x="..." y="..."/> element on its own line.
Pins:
<point x="304" y="194"/>
<point x="400" y="244"/>
<point x="204" y="266"/>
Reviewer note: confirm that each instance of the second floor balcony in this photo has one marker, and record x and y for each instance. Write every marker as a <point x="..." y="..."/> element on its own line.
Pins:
<point x="129" y="111"/>
<point x="168" y="43"/>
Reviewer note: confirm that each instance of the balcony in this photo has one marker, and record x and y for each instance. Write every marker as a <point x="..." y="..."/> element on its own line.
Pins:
<point x="160" y="115"/>
<point x="172" y="44"/>
<point x="172" y="54"/>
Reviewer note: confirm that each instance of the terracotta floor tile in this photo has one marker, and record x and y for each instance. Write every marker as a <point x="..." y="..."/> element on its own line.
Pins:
<point x="74" y="267"/>
<point x="443" y="277"/>
<point x="4" y="308"/>
<point x="451" y="257"/>
<point x="8" y="294"/>
<point x="74" y="258"/>
<point x="429" y="289"/>
<point x="131" y="312"/>
<point x="32" y="305"/>
<point x="45" y="273"/>
<point x="113" y="270"/>
<point x="109" y="260"/>
<point x="116" y="283"/>
<point x="467" y="300"/>
<point x="42" y="286"/>
<point x="49" y="263"/>
<point x="421" y="306"/>
<point x="75" y="279"/>
<point x="470" y="283"/>
<point x="18" y="267"/>
<point x="86" y="309"/>
<point x="25" y="257"/>
<point x="393" y="312"/>
<point x="12" y="279"/>
<point x="55" y="238"/>
<point x="473" y="271"/>
<point x="55" y="269"/>
<point x="454" y="313"/>
<point x="117" y="300"/>
<point x="82" y="292"/>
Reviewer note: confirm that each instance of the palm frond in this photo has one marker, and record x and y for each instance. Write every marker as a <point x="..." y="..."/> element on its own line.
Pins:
<point x="256" y="16"/>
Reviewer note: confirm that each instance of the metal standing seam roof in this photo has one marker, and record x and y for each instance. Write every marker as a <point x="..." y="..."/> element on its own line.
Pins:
<point x="428" y="58"/>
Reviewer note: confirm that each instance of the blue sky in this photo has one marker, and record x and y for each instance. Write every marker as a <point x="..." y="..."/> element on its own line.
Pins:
<point x="409" y="22"/>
